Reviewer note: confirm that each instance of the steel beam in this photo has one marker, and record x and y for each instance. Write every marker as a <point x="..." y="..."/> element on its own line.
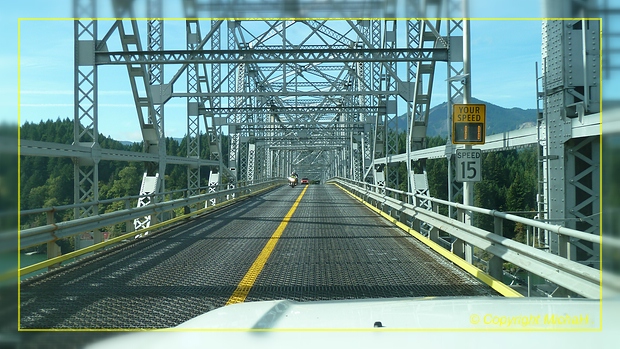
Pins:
<point x="192" y="40"/>
<point x="86" y="152"/>
<point x="288" y="93"/>
<point x="86" y="120"/>
<point x="272" y="55"/>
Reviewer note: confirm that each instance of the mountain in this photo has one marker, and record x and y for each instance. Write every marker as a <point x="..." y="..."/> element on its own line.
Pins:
<point x="498" y="119"/>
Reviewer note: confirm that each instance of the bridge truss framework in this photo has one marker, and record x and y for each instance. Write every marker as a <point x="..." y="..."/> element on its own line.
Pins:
<point x="325" y="98"/>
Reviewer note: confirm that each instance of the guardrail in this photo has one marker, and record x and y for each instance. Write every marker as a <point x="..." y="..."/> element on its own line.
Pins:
<point x="55" y="231"/>
<point x="573" y="276"/>
<point x="131" y="199"/>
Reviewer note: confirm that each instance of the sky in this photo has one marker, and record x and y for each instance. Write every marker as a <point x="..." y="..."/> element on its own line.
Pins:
<point x="504" y="53"/>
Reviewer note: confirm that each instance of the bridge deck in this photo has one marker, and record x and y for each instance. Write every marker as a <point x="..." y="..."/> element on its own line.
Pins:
<point x="332" y="248"/>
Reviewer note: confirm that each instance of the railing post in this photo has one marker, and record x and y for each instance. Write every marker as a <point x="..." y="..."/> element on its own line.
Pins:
<point x="529" y="281"/>
<point x="97" y="234"/>
<point x="129" y="223"/>
<point x="460" y="215"/>
<point x="469" y="253"/>
<point x="495" y="268"/>
<point x="53" y="250"/>
<point x="415" y="224"/>
<point x="459" y="246"/>
<point x="564" y="246"/>
<point x="154" y="218"/>
<point x="433" y="235"/>
<point x="406" y="219"/>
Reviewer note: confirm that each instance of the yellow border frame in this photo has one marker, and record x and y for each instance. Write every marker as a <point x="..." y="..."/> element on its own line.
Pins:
<point x="412" y="232"/>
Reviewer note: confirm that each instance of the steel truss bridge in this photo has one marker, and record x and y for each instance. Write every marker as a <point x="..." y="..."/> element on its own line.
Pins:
<point x="324" y="98"/>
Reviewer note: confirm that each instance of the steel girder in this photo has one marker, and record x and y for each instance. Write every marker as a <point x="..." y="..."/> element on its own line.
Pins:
<point x="216" y="102"/>
<point x="588" y="126"/>
<point x="319" y="95"/>
<point x="378" y="131"/>
<point x="456" y="84"/>
<point x="86" y="122"/>
<point x="193" y="38"/>
<point x="311" y="109"/>
<point x="141" y="89"/>
<point x="142" y="78"/>
<point x="150" y="94"/>
<point x="85" y="116"/>
<point x="292" y="9"/>
<point x="85" y="153"/>
<point x="235" y="81"/>
<point x="286" y="111"/>
<point x="390" y="81"/>
<point x="339" y="74"/>
<point x="583" y="195"/>
<point x="299" y="55"/>
<point x="155" y="42"/>
<point x="572" y="168"/>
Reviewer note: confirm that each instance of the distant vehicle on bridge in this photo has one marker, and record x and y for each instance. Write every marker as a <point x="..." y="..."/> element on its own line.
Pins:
<point x="305" y="181"/>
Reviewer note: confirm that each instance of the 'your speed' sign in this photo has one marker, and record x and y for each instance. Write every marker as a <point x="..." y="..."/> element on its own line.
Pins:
<point x="468" y="165"/>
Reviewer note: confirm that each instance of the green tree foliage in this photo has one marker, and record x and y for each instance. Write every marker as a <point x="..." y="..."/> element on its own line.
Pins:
<point x="127" y="183"/>
<point x="508" y="184"/>
<point x="437" y="169"/>
<point x="490" y="192"/>
<point x="46" y="182"/>
<point x="509" y="177"/>
<point x="509" y="180"/>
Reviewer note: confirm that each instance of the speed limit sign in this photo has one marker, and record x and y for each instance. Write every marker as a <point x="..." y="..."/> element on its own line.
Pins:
<point x="468" y="165"/>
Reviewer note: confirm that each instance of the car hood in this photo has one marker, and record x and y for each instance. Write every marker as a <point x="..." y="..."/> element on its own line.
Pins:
<point x="425" y="322"/>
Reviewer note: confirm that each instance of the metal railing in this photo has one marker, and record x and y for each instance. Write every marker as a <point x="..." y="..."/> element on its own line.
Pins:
<point x="131" y="200"/>
<point x="54" y="231"/>
<point x="559" y="270"/>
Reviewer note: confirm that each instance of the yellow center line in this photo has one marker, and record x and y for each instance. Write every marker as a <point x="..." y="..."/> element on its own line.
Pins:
<point x="245" y="285"/>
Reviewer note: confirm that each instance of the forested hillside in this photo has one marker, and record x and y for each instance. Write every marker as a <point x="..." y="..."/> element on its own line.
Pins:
<point x="498" y="119"/>
<point x="508" y="183"/>
<point x="48" y="182"/>
<point x="509" y="177"/>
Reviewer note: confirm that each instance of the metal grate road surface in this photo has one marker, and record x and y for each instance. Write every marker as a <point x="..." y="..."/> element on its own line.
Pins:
<point x="332" y="248"/>
<point x="335" y="248"/>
